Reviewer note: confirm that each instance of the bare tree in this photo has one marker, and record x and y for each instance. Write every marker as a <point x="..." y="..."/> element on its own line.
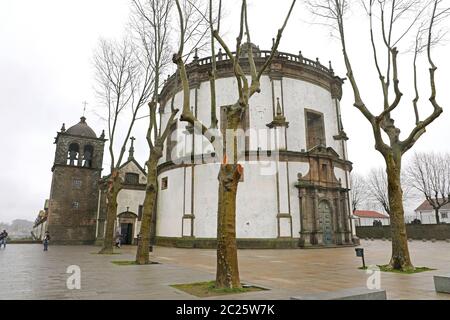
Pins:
<point x="227" y="275"/>
<point x="395" y="19"/>
<point x="152" y="23"/>
<point x="378" y="192"/>
<point x="123" y="83"/>
<point x="358" y="192"/>
<point x="429" y="173"/>
<point x="378" y="189"/>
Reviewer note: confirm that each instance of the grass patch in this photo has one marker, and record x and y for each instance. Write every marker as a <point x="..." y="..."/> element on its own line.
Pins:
<point x="130" y="263"/>
<point x="386" y="268"/>
<point x="208" y="289"/>
<point x="106" y="254"/>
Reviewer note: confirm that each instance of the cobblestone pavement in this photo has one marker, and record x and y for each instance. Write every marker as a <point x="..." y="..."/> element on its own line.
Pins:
<point x="26" y="272"/>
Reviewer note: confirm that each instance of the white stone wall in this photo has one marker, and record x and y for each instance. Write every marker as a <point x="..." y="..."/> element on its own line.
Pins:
<point x="170" y="204"/>
<point x="258" y="202"/>
<point x="131" y="199"/>
<point x="295" y="97"/>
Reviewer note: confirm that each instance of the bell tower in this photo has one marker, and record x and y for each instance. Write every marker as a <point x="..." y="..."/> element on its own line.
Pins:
<point x="74" y="191"/>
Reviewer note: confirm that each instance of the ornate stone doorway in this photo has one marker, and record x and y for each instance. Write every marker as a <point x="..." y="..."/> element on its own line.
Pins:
<point x="324" y="211"/>
<point x="127" y="224"/>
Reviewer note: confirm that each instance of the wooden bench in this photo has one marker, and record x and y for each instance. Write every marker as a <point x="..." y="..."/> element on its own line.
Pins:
<point x="442" y="283"/>
<point x="345" y="294"/>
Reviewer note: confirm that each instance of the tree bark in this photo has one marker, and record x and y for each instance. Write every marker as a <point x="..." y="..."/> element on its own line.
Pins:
<point x="227" y="274"/>
<point x="113" y="189"/>
<point x="400" y="259"/>
<point x="142" y="253"/>
<point x="436" y="212"/>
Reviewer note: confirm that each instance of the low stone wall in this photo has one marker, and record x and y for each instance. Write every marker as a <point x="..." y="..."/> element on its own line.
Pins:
<point x="23" y="241"/>
<point x="413" y="231"/>
<point x="207" y="243"/>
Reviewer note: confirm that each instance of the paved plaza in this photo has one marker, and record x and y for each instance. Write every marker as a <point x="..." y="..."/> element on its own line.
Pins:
<point x="26" y="272"/>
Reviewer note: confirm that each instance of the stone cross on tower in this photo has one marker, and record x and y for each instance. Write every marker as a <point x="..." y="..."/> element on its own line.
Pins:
<point x="131" y="151"/>
<point x="84" y="107"/>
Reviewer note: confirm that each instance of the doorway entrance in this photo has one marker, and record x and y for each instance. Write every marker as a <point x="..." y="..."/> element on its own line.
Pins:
<point x="127" y="224"/>
<point x="325" y="213"/>
<point x="126" y="230"/>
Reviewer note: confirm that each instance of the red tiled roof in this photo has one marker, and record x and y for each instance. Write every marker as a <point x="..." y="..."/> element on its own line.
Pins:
<point x="425" y="206"/>
<point x="369" y="214"/>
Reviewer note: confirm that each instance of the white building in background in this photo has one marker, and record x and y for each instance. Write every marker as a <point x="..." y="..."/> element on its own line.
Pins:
<point x="427" y="215"/>
<point x="364" y="218"/>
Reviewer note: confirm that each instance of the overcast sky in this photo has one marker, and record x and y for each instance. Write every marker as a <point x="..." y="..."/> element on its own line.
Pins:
<point x="46" y="73"/>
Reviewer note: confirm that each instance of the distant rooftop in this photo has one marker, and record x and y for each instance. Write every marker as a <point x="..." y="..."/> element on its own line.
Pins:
<point x="426" y="206"/>
<point x="370" y="214"/>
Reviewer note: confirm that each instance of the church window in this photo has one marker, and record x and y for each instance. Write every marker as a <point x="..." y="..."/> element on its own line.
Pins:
<point x="73" y="153"/>
<point x="75" y="205"/>
<point x="444" y="215"/>
<point x="164" y="183"/>
<point x="76" y="183"/>
<point x="88" y="155"/>
<point x="131" y="178"/>
<point x="315" y="131"/>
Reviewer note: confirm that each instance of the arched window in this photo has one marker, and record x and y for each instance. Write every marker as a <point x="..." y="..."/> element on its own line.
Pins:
<point x="88" y="155"/>
<point x="72" y="155"/>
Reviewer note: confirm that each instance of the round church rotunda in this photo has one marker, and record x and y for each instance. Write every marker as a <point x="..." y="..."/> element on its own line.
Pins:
<point x="295" y="183"/>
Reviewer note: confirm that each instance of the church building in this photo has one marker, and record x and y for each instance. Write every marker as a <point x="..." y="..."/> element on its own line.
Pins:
<point x="294" y="189"/>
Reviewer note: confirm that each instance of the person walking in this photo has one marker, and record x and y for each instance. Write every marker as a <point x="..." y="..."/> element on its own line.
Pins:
<point x="3" y="238"/>
<point x="46" y="240"/>
<point x="118" y="240"/>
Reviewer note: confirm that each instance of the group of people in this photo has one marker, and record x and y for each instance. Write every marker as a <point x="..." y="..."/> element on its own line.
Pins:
<point x="4" y="237"/>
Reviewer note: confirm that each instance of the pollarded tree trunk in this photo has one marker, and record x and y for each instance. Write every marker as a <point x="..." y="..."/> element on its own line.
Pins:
<point x="227" y="274"/>
<point x="436" y="212"/>
<point x="400" y="259"/>
<point x="142" y="254"/>
<point x="113" y="189"/>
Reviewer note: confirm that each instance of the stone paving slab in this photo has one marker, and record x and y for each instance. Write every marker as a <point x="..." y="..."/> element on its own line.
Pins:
<point x="29" y="273"/>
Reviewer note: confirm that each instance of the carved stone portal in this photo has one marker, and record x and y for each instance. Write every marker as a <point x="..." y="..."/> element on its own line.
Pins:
<point x="324" y="212"/>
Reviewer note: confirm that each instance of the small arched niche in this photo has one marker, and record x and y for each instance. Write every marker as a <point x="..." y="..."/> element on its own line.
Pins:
<point x="73" y="154"/>
<point x="88" y="156"/>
